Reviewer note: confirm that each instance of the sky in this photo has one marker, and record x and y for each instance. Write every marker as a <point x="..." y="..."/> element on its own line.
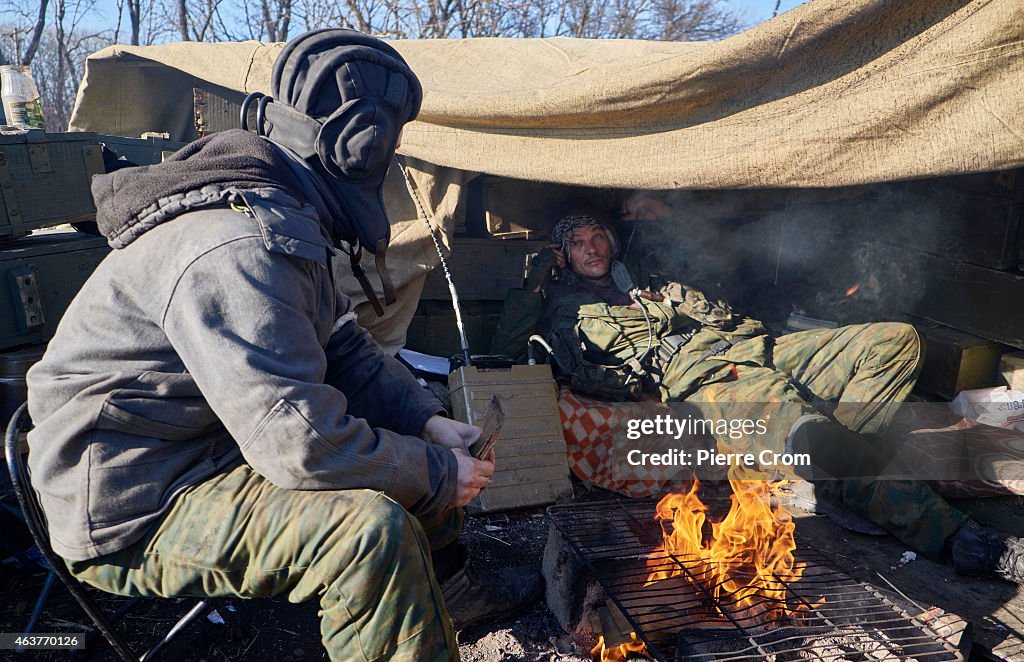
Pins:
<point x="753" y="11"/>
<point x="758" y="11"/>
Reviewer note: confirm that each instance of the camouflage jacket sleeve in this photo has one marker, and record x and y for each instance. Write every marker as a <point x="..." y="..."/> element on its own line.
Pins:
<point x="712" y="312"/>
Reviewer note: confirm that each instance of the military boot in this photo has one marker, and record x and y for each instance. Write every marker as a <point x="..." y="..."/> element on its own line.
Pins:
<point x="473" y="596"/>
<point x="984" y="552"/>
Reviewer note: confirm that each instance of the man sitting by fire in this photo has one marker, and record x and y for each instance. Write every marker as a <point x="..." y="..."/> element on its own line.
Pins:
<point x="614" y="338"/>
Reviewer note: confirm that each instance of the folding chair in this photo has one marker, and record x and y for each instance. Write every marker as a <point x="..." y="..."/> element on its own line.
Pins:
<point x="37" y="527"/>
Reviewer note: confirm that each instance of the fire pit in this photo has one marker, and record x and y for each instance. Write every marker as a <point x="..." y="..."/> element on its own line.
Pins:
<point x="691" y="595"/>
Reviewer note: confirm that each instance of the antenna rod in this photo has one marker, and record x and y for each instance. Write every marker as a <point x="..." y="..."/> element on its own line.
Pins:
<point x="444" y="263"/>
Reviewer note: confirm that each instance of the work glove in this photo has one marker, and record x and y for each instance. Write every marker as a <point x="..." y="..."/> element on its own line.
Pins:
<point x="541" y="266"/>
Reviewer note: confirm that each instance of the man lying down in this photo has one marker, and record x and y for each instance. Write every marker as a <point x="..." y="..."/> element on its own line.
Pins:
<point x="612" y="338"/>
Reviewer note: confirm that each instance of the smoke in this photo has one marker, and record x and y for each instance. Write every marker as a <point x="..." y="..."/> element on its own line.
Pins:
<point x="846" y="255"/>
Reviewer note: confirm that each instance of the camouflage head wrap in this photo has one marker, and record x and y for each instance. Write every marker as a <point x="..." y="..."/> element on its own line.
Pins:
<point x="561" y="233"/>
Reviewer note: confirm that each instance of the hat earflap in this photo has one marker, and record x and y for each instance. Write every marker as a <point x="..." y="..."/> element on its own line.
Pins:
<point x="357" y="141"/>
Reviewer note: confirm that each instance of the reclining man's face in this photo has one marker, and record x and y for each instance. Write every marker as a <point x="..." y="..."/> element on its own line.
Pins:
<point x="590" y="251"/>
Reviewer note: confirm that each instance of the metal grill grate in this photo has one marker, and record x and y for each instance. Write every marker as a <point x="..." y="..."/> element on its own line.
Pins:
<point x="830" y="616"/>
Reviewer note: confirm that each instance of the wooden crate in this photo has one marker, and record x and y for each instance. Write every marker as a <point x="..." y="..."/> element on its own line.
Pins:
<point x="520" y="209"/>
<point x="39" y="276"/>
<point x="218" y="110"/>
<point x="14" y="365"/>
<point x="483" y="269"/>
<point x="141" y="151"/>
<point x="531" y="467"/>
<point x="955" y="361"/>
<point x="433" y="330"/>
<point x="45" y="178"/>
<point x="1011" y="368"/>
<point x="983" y="302"/>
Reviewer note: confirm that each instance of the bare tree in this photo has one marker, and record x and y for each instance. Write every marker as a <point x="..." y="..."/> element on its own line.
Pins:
<point x="627" y="19"/>
<point x="689" y="20"/>
<point x="361" y="15"/>
<point x="22" y="31"/>
<point x="583" y="18"/>
<point x="68" y="46"/>
<point x="37" y="34"/>
<point x="385" y="18"/>
<point x="135" y="19"/>
<point x="199" y="20"/>
<point x="51" y="40"/>
<point x="147" y="24"/>
<point x="276" y="19"/>
<point x="183" y="19"/>
<point x="618" y="19"/>
<point x="48" y="34"/>
<point x="59" y="88"/>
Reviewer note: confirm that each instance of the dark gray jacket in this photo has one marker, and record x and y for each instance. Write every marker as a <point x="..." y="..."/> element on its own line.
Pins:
<point x="217" y="335"/>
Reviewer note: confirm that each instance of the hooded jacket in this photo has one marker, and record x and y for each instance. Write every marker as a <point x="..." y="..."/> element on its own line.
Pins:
<point x="215" y="333"/>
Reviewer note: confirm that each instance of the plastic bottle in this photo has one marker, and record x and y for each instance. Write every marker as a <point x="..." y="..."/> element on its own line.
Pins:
<point x="20" y="97"/>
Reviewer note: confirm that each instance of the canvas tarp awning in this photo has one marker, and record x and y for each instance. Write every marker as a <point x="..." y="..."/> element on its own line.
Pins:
<point x="832" y="93"/>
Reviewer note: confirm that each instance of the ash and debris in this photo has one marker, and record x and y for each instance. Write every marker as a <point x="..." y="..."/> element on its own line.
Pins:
<point x="501" y="541"/>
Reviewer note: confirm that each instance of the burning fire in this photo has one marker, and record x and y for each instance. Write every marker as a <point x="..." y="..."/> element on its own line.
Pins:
<point x="853" y="289"/>
<point x="746" y="562"/>
<point x="617" y="653"/>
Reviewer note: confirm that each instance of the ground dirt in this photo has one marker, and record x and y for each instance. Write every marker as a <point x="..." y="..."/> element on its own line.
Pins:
<point x="274" y="630"/>
<point x="277" y="631"/>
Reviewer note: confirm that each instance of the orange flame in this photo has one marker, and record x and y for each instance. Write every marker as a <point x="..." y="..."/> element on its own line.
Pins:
<point x="617" y="653"/>
<point x="747" y="560"/>
<point x="853" y="289"/>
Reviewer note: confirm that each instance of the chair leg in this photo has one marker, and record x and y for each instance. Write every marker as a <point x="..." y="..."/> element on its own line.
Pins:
<point x="182" y="623"/>
<point x="36" y="522"/>
<point x="40" y="601"/>
<point x="87" y="604"/>
<point x="93" y="633"/>
<point x="37" y="527"/>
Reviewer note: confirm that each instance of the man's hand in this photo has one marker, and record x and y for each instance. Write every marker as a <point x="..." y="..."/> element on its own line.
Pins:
<point x="645" y="207"/>
<point x="449" y="433"/>
<point x="559" y="255"/>
<point x="473" y="476"/>
<point x="549" y="258"/>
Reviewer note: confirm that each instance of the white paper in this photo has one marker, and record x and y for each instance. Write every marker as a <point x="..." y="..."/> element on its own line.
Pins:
<point x="435" y="365"/>
<point x="997" y="406"/>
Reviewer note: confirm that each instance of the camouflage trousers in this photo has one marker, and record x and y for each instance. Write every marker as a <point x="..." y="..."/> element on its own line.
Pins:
<point x="861" y="374"/>
<point x="361" y="554"/>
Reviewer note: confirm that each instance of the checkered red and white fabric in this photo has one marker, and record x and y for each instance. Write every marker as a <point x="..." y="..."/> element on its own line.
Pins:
<point x="591" y="428"/>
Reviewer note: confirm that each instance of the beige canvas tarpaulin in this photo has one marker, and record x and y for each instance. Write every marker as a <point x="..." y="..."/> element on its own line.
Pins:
<point x="832" y="93"/>
<point x="411" y="254"/>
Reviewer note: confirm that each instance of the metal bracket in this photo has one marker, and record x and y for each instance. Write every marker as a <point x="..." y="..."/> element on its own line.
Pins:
<point x="24" y="281"/>
<point x="10" y="198"/>
<point x="39" y="157"/>
<point x="93" y="157"/>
